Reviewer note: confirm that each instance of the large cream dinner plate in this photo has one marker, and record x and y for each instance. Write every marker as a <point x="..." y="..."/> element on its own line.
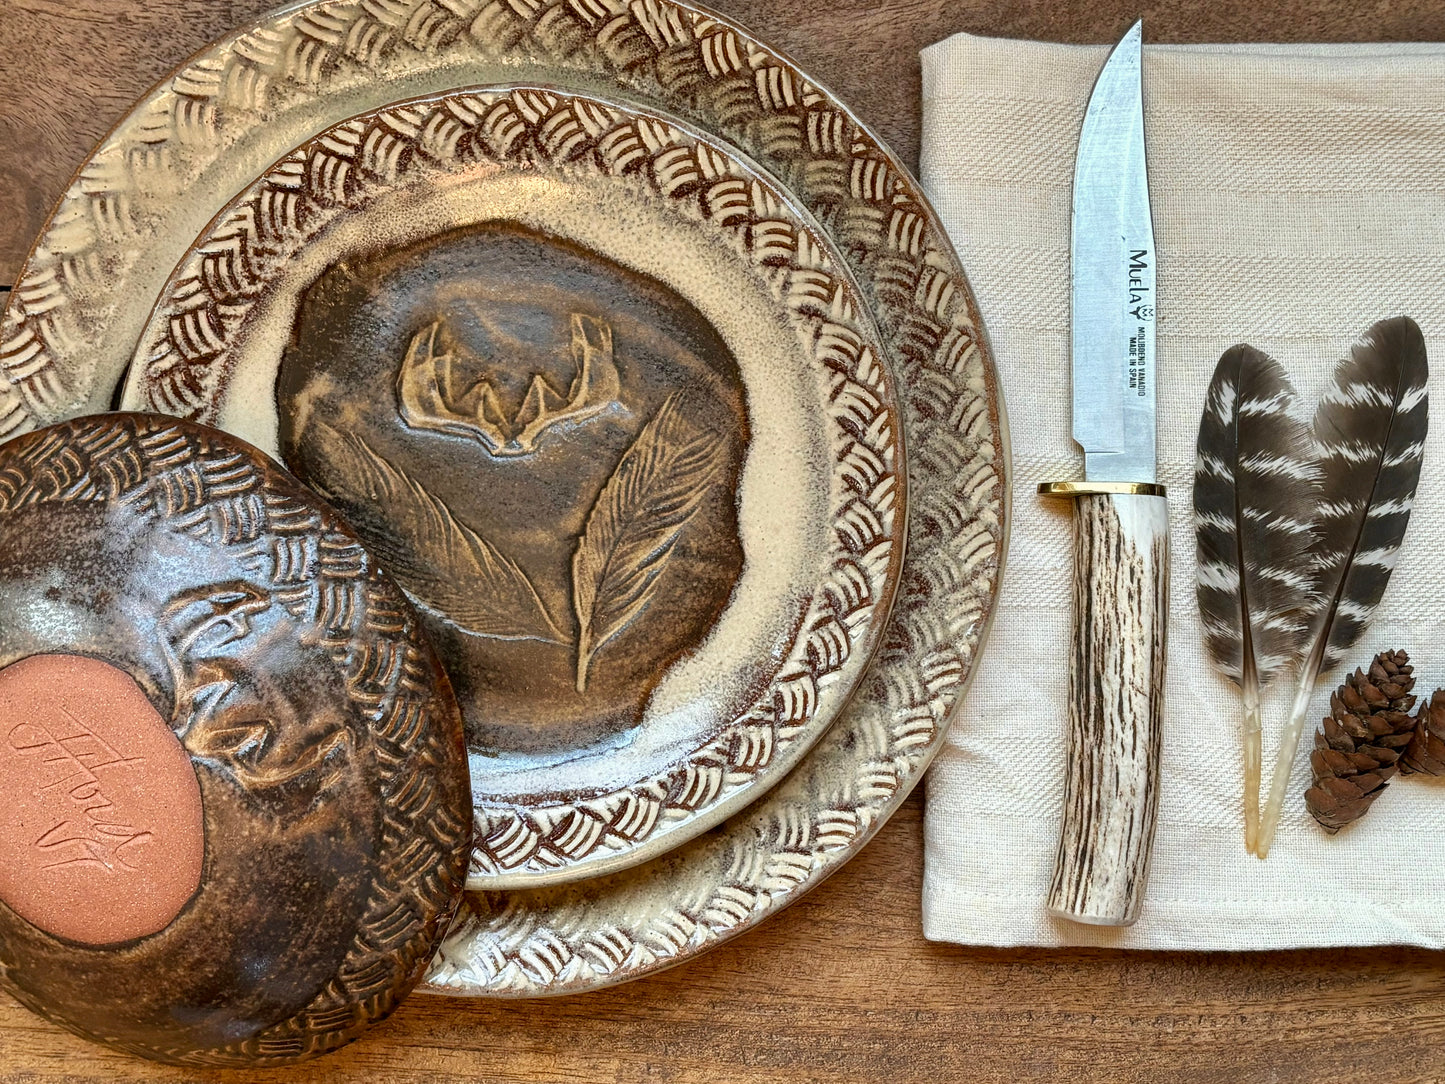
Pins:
<point x="192" y="144"/>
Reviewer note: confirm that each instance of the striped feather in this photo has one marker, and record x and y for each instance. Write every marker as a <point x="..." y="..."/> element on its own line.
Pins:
<point x="1370" y="428"/>
<point x="1255" y="488"/>
<point x="1256" y="485"/>
<point x="1369" y="431"/>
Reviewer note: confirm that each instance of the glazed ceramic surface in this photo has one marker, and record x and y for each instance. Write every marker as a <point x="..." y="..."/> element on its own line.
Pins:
<point x="295" y="703"/>
<point x="221" y="121"/>
<point x="611" y="413"/>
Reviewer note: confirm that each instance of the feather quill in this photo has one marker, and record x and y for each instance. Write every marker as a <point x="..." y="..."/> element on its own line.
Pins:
<point x="639" y="515"/>
<point x="1255" y="489"/>
<point x="1369" y="432"/>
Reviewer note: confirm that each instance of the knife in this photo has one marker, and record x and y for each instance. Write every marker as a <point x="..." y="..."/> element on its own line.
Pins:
<point x="1121" y="519"/>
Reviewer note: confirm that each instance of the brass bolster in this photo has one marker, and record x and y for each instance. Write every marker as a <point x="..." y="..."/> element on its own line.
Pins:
<point x="1089" y="489"/>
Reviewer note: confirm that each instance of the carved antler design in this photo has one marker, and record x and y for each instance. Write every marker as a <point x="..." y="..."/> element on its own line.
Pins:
<point x="236" y="706"/>
<point x="424" y="389"/>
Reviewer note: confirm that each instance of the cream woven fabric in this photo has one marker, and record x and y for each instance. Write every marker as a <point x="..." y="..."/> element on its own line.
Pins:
<point x="1299" y="195"/>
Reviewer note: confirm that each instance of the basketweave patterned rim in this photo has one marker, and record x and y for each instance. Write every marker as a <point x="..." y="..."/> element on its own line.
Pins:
<point x="187" y="357"/>
<point x="279" y="73"/>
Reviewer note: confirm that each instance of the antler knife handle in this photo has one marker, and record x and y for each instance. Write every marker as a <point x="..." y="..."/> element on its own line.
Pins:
<point x="1116" y="689"/>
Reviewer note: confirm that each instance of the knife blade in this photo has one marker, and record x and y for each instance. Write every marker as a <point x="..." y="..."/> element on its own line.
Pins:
<point x="1121" y="523"/>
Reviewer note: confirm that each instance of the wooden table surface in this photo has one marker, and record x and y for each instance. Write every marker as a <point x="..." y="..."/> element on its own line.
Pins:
<point x="843" y="986"/>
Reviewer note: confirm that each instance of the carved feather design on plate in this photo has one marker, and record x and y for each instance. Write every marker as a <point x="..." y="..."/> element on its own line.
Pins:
<point x="443" y="564"/>
<point x="635" y="524"/>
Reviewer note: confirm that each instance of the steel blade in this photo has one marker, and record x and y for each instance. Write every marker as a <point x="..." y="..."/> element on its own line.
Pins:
<point x="1113" y="278"/>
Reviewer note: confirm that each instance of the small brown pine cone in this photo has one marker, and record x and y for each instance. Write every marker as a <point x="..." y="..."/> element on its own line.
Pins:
<point x="1426" y="751"/>
<point x="1359" y="745"/>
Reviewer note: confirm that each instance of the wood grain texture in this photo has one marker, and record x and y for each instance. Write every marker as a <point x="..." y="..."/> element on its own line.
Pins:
<point x="842" y="986"/>
<point x="1116" y="708"/>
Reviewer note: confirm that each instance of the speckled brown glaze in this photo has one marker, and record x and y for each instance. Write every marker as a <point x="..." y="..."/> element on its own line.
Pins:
<point x="519" y="399"/>
<point x="317" y="722"/>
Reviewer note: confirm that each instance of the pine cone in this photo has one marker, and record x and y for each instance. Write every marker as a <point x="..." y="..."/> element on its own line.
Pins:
<point x="1426" y="752"/>
<point x="1358" y="747"/>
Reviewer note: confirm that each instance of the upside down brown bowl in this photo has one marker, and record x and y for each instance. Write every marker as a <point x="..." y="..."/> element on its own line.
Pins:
<point x="237" y="811"/>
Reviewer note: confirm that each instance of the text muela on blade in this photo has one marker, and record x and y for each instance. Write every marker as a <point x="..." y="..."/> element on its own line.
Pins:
<point x="1138" y="363"/>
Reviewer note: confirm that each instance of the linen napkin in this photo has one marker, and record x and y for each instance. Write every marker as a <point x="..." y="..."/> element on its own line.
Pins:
<point x="1298" y="196"/>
